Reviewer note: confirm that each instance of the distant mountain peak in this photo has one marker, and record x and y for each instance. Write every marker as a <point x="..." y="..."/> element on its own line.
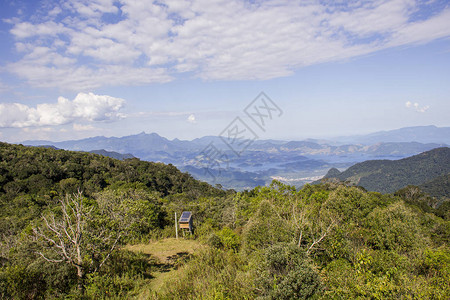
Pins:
<point x="112" y="154"/>
<point x="333" y="172"/>
<point x="421" y="134"/>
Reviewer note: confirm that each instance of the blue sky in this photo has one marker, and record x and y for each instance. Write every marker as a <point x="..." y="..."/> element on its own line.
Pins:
<point x="187" y="68"/>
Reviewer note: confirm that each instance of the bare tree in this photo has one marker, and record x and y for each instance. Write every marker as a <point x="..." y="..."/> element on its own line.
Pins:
<point x="318" y="224"/>
<point x="66" y="237"/>
<point x="321" y="234"/>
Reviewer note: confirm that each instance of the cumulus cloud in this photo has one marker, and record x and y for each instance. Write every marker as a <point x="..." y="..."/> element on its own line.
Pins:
<point x="191" y="119"/>
<point x="85" y="107"/>
<point x="415" y="106"/>
<point x="210" y="39"/>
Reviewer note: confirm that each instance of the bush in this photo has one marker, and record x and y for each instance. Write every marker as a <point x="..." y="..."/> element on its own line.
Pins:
<point x="300" y="283"/>
<point x="16" y="282"/>
<point x="265" y="228"/>
<point x="211" y="274"/>
<point x="395" y="227"/>
<point x="106" y="286"/>
<point x="285" y="273"/>
<point x="229" y="239"/>
<point x="214" y="241"/>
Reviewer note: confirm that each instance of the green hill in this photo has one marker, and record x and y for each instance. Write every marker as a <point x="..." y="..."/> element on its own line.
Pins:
<point x="388" y="176"/>
<point x="438" y="187"/>
<point x="113" y="154"/>
<point x="44" y="172"/>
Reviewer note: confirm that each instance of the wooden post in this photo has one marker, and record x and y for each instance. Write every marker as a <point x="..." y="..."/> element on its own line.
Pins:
<point x="176" y="226"/>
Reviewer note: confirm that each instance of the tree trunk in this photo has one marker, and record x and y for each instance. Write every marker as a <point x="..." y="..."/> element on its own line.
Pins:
<point x="80" y="275"/>
<point x="80" y="271"/>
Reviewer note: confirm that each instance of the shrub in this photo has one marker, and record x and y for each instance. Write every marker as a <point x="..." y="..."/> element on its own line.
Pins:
<point x="214" y="241"/>
<point x="285" y="273"/>
<point x="229" y="239"/>
<point x="265" y="228"/>
<point x="211" y="274"/>
<point x="395" y="227"/>
<point x="106" y="286"/>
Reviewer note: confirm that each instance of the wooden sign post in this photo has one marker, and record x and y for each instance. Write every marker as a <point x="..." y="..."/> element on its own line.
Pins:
<point x="176" y="226"/>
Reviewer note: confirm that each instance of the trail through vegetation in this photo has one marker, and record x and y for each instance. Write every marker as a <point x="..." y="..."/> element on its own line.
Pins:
<point x="166" y="256"/>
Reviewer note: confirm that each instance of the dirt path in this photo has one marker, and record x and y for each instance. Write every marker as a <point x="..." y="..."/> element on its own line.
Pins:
<point x="168" y="255"/>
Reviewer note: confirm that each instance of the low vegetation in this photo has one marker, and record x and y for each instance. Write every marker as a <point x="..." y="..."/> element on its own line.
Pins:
<point x="323" y="241"/>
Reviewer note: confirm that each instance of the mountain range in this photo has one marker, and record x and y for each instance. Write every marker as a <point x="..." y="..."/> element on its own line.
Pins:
<point x="420" y="134"/>
<point x="294" y="162"/>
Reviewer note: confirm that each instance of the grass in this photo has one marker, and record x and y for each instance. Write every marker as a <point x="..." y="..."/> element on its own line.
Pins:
<point x="168" y="255"/>
<point x="165" y="249"/>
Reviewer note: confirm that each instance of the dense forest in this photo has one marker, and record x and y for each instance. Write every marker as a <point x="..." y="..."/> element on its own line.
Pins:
<point x="388" y="176"/>
<point x="68" y="220"/>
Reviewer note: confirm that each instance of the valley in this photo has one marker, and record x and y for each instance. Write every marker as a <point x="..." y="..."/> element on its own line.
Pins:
<point x="292" y="162"/>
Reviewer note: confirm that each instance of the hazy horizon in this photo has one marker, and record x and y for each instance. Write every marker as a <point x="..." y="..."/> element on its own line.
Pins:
<point x="324" y="138"/>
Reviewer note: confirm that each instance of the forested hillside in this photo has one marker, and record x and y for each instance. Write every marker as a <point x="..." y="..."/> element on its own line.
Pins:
<point x="67" y="219"/>
<point x="48" y="172"/>
<point x="388" y="176"/>
<point x="112" y="154"/>
<point x="438" y="187"/>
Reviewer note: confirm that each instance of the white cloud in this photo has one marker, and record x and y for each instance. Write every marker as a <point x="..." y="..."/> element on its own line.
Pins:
<point x="93" y="8"/>
<point x="422" y="109"/>
<point x="87" y="107"/>
<point x="161" y="114"/>
<point x="191" y="119"/>
<point x="81" y="127"/>
<point x="38" y="130"/>
<point x="96" y="107"/>
<point x="73" y="77"/>
<point x="39" y="133"/>
<point x="25" y="29"/>
<point x="213" y="39"/>
<point x="416" y="106"/>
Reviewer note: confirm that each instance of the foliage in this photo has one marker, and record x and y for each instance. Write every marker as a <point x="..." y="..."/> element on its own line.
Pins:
<point x="226" y="239"/>
<point x="394" y="228"/>
<point x="265" y="228"/>
<point x="211" y="274"/>
<point x="124" y="273"/>
<point x="34" y="170"/>
<point x="18" y="282"/>
<point x="275" y="242"/>
<point x="122" y="203"/>
<point x="285" y="273"/>
<point x="438" y="187"/>
<point x="76" y="236"/>
<point x="133" y="212"/>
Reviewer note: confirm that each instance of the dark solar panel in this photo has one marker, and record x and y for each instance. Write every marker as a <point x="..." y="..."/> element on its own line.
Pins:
<point x="185" y="216"/>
